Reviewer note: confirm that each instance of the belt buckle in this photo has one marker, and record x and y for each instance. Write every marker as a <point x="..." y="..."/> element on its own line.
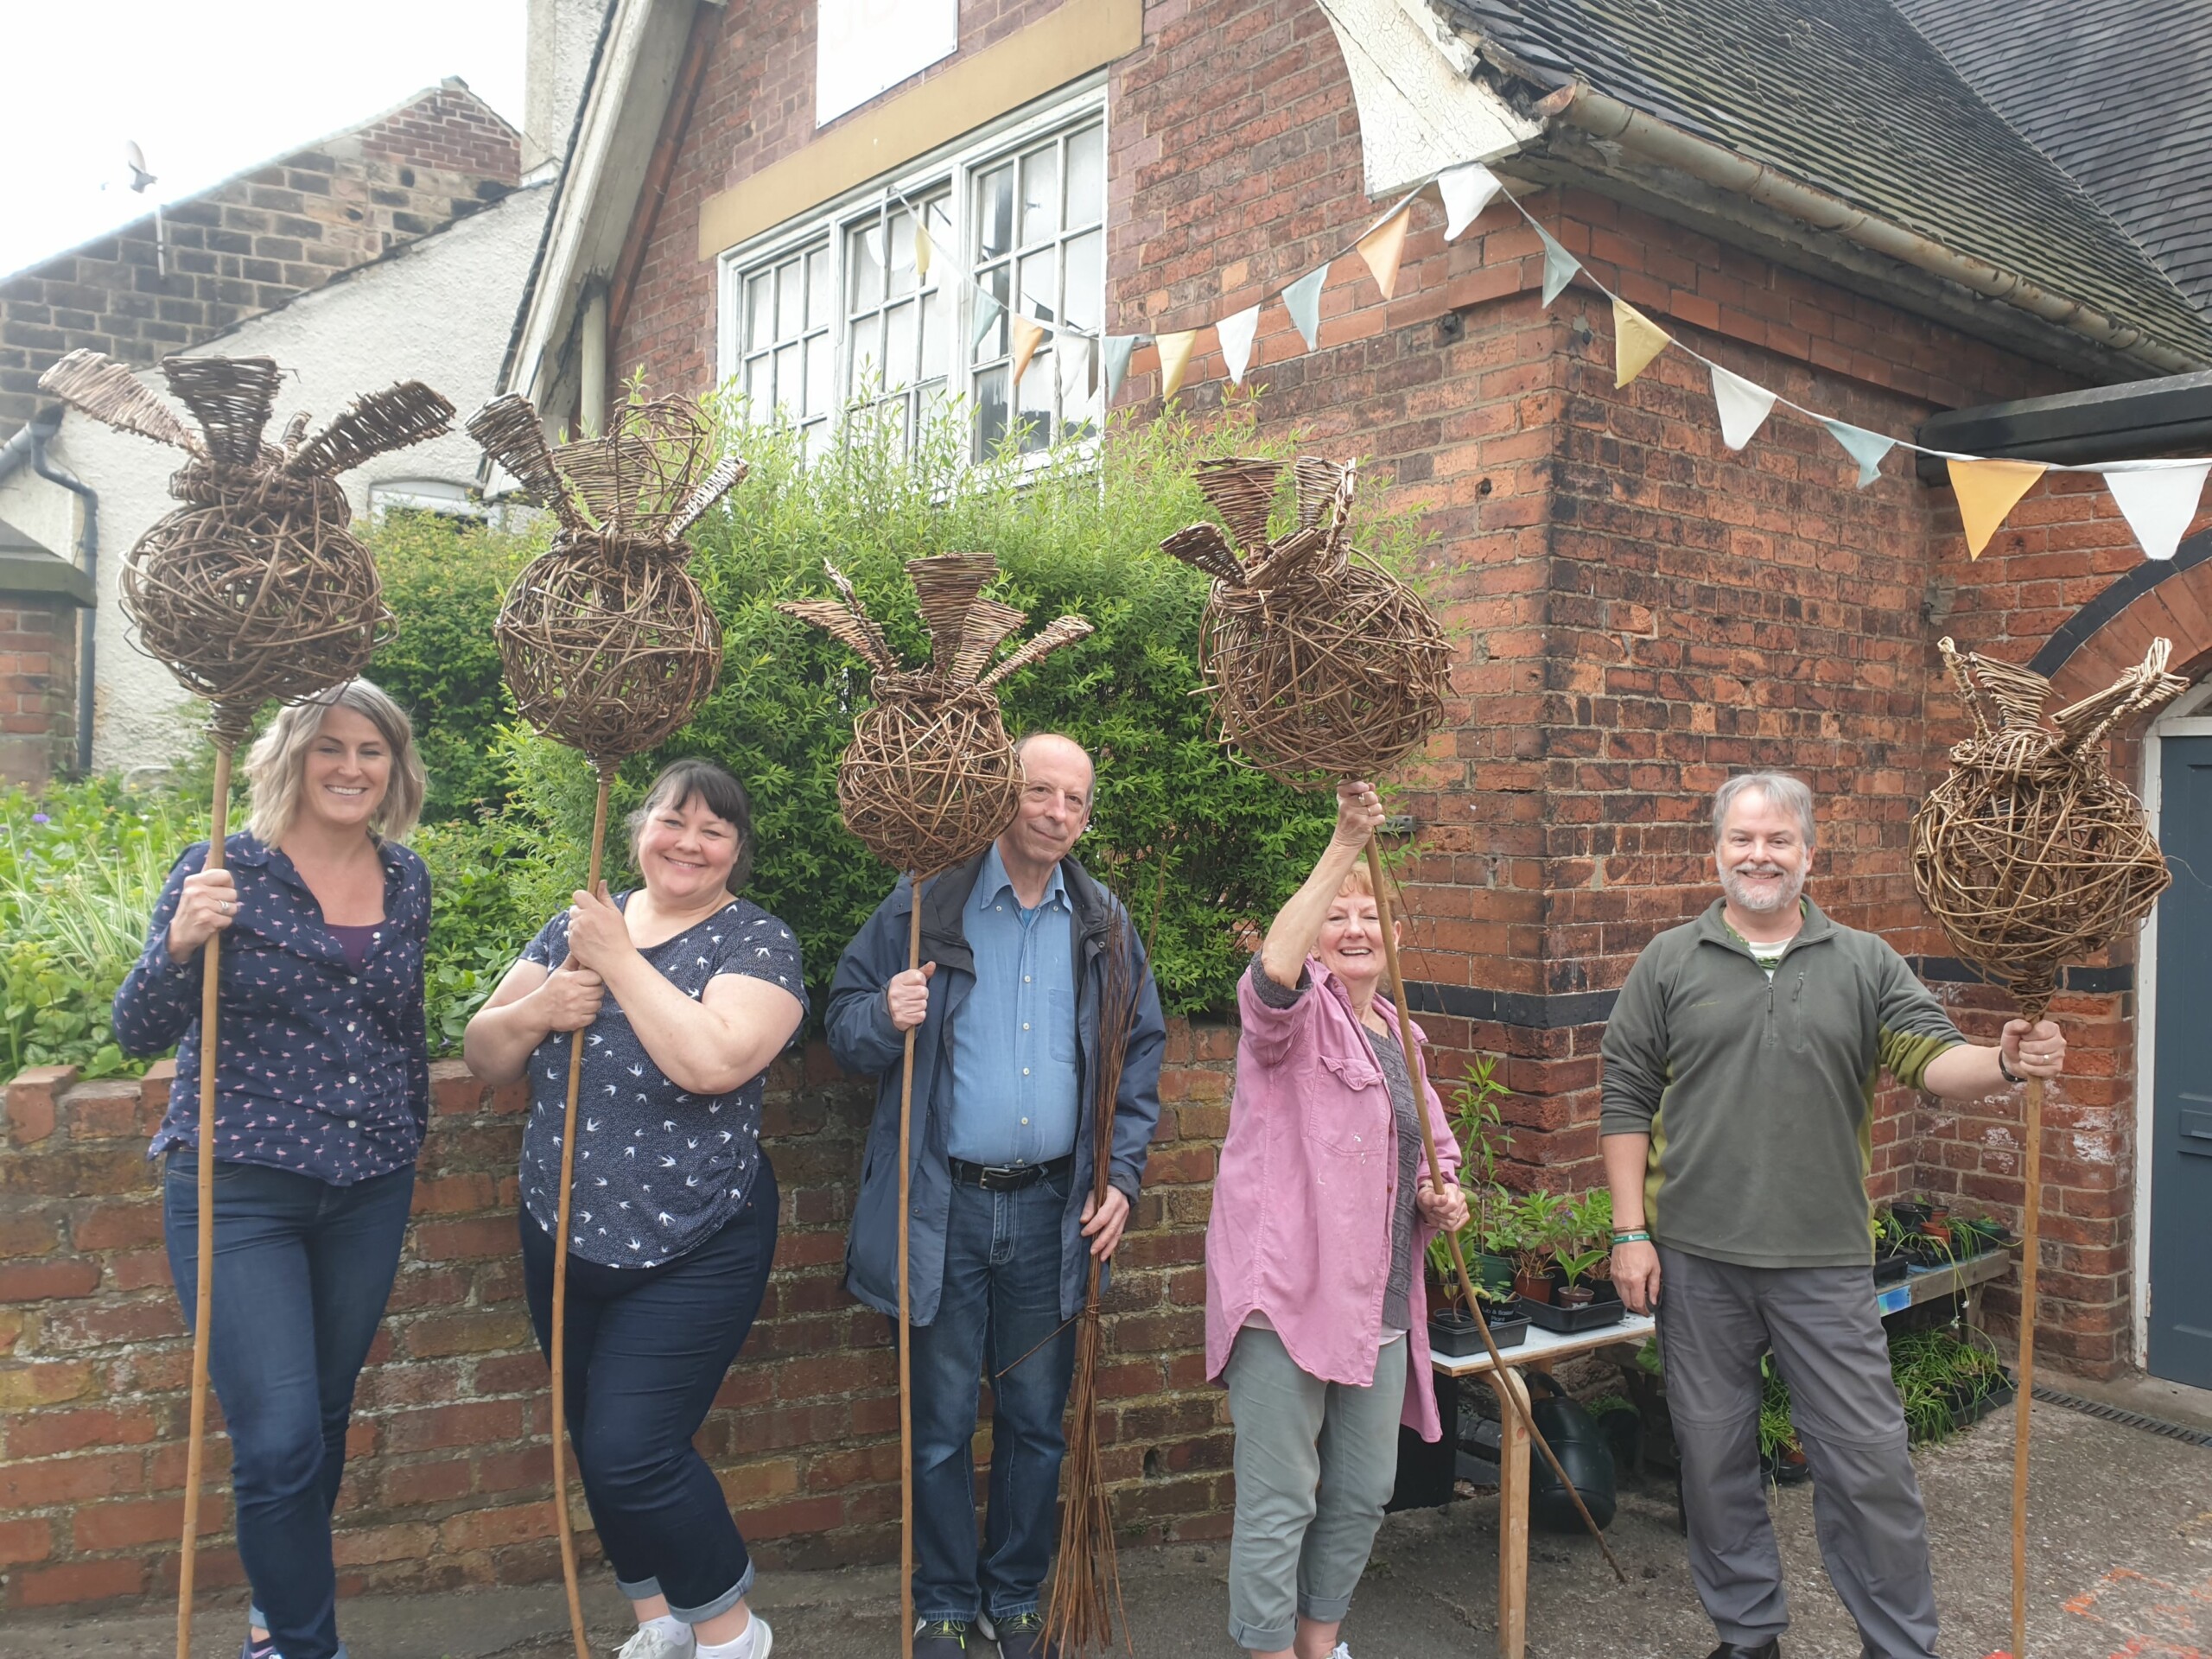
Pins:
<point x="999" y="1178"/>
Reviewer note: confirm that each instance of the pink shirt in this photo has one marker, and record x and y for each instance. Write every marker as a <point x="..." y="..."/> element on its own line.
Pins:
<point x="1301" y="1230"/>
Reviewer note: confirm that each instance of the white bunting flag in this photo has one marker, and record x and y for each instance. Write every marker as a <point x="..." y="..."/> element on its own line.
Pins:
<point x="1303" y="300"/>
<point x="1236" y="333"/>
<point x="1743" y="406"/>
<point x="987" y="316"/>
<point x="2159" y="502"/>
<point x="1560" y="265"/>
<point x="1866" y="448"/>
<point x="1073" y="351"/>
<point x="1114" y="361"/>
<point x="1466" y="191"/>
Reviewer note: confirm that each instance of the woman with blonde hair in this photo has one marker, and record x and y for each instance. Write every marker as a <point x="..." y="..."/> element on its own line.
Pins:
<point x="321" y="1078"/>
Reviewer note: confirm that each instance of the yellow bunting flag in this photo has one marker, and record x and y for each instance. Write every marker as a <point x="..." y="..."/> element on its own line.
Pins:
<point x="1987" y="491"/>
<point x="1174" y="358"/>
<point x="1382" y="247"/>
<point x="921" y="252"/>
<point x="1637" y="340"/>
<point x="1028" y="336"/>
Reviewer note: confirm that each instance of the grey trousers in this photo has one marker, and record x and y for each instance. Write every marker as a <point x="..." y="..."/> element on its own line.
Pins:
<point x="1315" y="1463"/>
<point x="1715" y="1320"/>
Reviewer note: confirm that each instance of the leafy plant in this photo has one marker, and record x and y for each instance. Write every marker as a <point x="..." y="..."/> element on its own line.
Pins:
<point x="1592" y="1223"/>
<point x="1777" y="1434"/>
<point x="1542" y="1221"/>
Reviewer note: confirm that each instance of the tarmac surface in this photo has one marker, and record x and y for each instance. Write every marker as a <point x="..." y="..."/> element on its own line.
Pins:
<point x="2120" y="1555"/>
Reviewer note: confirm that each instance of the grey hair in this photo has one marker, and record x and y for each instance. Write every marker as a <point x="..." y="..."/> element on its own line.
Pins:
<point x="277" y="764"/>
<point x="1789" y="794"/>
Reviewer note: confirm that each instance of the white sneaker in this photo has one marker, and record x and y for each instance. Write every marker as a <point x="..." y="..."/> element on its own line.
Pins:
<point x="1340" y="1651"/>
<point x="765" y="1643"/>
<point x="649" y="1643"/>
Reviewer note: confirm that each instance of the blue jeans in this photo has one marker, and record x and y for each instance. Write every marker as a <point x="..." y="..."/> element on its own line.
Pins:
<point x="647" y="1351"/>
<point x="303" y="1270"/>
<point x="1001" y="1302"/>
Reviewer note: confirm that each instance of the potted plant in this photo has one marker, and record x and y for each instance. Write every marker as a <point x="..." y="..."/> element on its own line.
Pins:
<point x="1581" y="1255"/>
<point x="1539" y="1222"/>
<point x="1781" y="1454"/>
<point x="1979" y="1235"/>
<point x="1480" y="1129"/>
<point x="1452" y="1329"/>
<point x="1891" y="1259"/>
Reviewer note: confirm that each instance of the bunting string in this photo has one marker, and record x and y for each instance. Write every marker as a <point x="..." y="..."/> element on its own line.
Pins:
<point x="2158" y="497"/>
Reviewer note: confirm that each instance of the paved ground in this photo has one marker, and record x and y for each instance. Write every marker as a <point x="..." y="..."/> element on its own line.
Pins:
<point x="2120" y="1552"/>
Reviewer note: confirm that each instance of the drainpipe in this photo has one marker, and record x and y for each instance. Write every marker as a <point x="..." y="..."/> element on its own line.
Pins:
<point x="44" y="428"/>
<point x="1607" y="118"/>
<point x="591" y="399"/>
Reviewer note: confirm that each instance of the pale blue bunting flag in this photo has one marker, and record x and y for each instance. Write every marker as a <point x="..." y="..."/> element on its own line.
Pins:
<point x="1866" y="448"/>
<point x="1303" y="300"/>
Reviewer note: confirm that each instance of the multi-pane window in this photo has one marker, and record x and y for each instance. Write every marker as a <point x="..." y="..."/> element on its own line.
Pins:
<point x="839" y="311"/>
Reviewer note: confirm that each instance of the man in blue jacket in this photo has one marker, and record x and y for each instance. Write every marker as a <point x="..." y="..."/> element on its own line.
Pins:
<point x="1006" y="1000"/>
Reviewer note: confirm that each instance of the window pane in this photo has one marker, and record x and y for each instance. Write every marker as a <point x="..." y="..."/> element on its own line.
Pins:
<point x="935" y="357"/>
<point x="1084" y="295"/>
<point x="866" y="349"/>
<point x="902" y="254"/>
<point x="1086" y="199"/>
<point x="818" y="289"/>
<point x="756" y="387"/>
<point x="1040" y="195"/>
<point x="863" y="259"/>
<point x="901" y="344"/>
<point x="790" y="301"/>
<point x="791" y="386"/>
<point x="990" y="410"/>
<point x="1039" y="280"/>
<point x="821" y="360"/>
<point x="1037" y="403"/>
<point x="995" y="212"/>
<point x="995" y="341"/>
<point x="759" y="311"/>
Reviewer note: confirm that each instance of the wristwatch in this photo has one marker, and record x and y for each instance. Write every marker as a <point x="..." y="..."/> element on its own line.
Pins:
<point x="2006" y="1071"/>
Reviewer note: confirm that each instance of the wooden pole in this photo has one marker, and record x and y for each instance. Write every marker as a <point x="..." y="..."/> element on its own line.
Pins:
<point x="203" y="1298"/>
<point x="1436" y="1174"/>
<point x="905" y="1332"/>
<point x="560" y="1258"/>
<point x="2030" y="1217"/>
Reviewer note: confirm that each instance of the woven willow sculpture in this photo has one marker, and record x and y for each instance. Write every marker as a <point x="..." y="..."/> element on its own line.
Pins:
<point x="1320" y="663"/>
<point x="1322" y="666"/>
<point x="2028" y="854"/>
<point x="608" y="647"/>
<point x="929" y="778"/>
<point x="253" y="590"/>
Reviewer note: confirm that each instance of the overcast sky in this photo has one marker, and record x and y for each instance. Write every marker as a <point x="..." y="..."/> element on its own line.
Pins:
<point x="209" y="88"/>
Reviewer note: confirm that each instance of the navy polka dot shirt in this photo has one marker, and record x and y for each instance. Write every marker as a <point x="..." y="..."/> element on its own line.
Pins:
<point x="659" y="1171"/>
<point x="321" y="1067"/>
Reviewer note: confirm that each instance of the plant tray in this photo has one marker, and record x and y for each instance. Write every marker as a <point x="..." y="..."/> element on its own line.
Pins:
<point x="1458" y="1339"/>
<point x="1568" y="1321"/>
<point x="1891" y="1269"/>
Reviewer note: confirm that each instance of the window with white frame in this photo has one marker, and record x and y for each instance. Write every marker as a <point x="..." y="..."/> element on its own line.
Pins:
<point x="837" y="307"/>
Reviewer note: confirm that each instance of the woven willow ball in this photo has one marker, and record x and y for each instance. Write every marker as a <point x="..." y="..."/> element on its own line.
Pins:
<point x="929" y="777"/>
<point x="2029" y="854"/>
<point x="608" y="647"/>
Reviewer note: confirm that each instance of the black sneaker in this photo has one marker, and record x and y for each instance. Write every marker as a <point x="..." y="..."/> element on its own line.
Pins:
<point x="940" y="1639"/>
<point x="1023" y="1637"/>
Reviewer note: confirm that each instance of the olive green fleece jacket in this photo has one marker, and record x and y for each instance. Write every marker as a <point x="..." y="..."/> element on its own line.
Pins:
<point x="1758" y="1096"/>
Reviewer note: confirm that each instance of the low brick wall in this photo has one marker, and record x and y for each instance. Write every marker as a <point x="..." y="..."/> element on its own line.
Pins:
<point x="449" y="1471"/>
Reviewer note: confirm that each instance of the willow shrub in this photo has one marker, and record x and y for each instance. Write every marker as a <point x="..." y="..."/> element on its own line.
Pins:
<point x="1201" y="848"/>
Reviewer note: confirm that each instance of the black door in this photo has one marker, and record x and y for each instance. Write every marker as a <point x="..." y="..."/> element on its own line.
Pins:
<point x="2181" y="1116"/>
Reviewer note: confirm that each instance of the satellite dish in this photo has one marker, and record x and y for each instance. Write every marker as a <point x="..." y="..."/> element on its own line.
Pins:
<point x="134" y="159"/>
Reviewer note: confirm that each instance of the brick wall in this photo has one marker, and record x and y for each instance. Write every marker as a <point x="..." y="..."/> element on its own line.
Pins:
<point x="450" y="1474"/>
<point x="252" y="242"/>
<point x="38" y="688"/>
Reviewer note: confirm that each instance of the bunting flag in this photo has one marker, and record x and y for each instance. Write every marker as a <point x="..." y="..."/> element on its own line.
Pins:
<point x="1466" y="191"/>
<point x="1866" y="448"/>
<point x="1637" y="340"/>
<point x="1028" y="335"/>
<point x="1072" y="355"/>
<point x="1560" y="265"/>
<point x="1987" y="491"/>
<point x="1237" y="335"/>
<point x="922" y="251"/>
<point x="1302" y="299"/>
<point x="1114" y="361"/>
<point x="1174" y="358"/>
<point x="2159" y="502"/>
<point x="987" y="316"/>
<point x="1384" y="246"/>
<point x="1743" y="406"/>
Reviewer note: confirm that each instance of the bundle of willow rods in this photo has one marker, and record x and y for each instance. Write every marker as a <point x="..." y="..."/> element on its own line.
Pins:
<point x="1086" y="1597"/>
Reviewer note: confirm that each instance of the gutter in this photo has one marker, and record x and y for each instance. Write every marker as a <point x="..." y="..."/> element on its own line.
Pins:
<point x="1602" y="116"/>
<point x="27" y="445"/>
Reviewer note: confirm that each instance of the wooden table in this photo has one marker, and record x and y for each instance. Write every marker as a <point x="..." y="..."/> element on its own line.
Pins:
<point x="1540" y="1351"/>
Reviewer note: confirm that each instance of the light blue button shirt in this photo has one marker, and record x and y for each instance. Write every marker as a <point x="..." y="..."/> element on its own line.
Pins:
<point x="1013" y="1044"/>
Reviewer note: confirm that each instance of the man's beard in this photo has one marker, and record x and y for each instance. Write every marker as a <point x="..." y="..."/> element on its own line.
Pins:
<point x="1744" y="897"/>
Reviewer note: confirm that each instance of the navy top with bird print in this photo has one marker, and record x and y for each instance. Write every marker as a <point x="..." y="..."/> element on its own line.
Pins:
<point x="321" y="1067"/>
<point x="659" y="1171"/>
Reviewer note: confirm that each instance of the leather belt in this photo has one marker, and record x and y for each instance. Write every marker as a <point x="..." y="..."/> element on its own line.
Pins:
<point x="1008" y="1178"/>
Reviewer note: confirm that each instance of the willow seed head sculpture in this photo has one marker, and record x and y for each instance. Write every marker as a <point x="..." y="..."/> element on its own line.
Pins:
<point x="1320" y="663"/>
<point x="607" y="642"/>
<point x="2029" y="854"/>
<point x="930" y="775"/>
<point x="254" y="588"/>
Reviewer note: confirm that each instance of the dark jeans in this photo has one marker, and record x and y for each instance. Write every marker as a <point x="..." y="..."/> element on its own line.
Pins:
<point x="1001" y="1303"/>
<point x="302" y="1270"/>
<point x="647" y="1350"/>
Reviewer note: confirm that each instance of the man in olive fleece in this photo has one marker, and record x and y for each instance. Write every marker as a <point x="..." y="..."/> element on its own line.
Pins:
<point x="1741" y="1068"/>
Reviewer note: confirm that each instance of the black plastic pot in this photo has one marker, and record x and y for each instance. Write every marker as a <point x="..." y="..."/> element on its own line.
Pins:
<point x="1909" y="1216"/>
<point x="1890" y="1268"/>
<point x="1582" y="1451"/>
<point x="1606" y="1310"/>
<point x="1784" y="1471"/>
<point x="1452" y="1331"/>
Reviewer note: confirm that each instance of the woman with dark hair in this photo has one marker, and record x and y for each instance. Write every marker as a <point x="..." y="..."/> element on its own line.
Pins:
<point x="685" y="993"/>
<point x="322" y="1089"/>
